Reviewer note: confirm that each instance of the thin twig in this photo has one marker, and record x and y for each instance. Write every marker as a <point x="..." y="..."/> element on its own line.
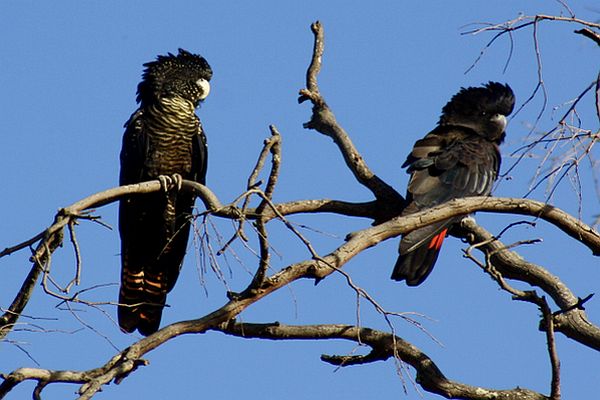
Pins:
<point x="23" y="245"/>
<point x="548" y="321"/>
<point x="77" y="279"/>
<point x="274" y="147"/>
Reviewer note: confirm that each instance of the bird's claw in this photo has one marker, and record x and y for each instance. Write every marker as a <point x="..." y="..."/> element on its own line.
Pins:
<point x="164" y="182"/>
<point x="169" y="182"/>
<point x="177" y="181"/>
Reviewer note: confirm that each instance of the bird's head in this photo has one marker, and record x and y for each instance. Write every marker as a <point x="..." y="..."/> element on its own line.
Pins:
<point x="482" y="109"/>
<point x="185" y="75"/>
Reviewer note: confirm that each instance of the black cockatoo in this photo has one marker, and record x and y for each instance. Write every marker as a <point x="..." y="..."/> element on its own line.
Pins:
<point x="163" y="140"/>
<point x="459" y="158"/>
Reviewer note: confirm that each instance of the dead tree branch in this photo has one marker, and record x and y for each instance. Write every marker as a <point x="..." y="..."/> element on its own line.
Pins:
<point x="571" y="320"/>
<point x="572" y="323"/>
<point x="273" y="145"/>
<point x="568" y="224"/>
<point x="568" y="142"/>
<point x="590" y="34"/>
<point x="323" y="121"/>
<point x="529" y="296"/>
<point x="383" y="346"/>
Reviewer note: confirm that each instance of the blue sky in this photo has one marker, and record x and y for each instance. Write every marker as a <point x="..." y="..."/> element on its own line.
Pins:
<point x="68" y="74"/>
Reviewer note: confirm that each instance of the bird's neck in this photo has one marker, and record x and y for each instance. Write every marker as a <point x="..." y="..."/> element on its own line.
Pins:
<point x="174" y="114"/>
<point x="174" y="105"/>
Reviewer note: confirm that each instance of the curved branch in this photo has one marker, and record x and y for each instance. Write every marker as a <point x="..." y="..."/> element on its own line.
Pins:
<point x="573" y="323"/>
<point x="127" y="361"/>
<point x="399" y="225"/>
<point x="554" y="215"/>
<point x="370" y="209"/>
<point x="384" y="345"/>
<point x="523" y="21"/>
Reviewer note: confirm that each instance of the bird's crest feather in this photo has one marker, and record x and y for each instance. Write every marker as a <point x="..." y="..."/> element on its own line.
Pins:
<point x="166" y="69"/>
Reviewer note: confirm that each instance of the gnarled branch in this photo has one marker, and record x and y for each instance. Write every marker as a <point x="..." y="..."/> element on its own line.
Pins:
<point x="383" y="346"/>
<point x="323" y="120"/>
<point x="573" y="323"/>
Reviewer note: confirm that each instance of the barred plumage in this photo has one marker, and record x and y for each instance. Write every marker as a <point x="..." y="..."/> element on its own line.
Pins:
<point x="163" y="137"/>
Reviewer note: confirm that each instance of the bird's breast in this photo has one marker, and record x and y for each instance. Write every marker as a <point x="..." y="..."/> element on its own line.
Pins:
<point x="171" y="126"/>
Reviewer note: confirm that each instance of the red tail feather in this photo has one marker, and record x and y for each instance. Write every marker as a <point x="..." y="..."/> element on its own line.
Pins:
<point x="436" y="242"/>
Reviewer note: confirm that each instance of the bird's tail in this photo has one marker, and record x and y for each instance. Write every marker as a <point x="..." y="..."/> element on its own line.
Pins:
<point x="418" y="253"/>
<point x="153" y="246"/>
<point x="141" y="301"/>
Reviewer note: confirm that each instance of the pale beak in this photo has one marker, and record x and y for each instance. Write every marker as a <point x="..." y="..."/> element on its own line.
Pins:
<point x="204" y="86"/>
<point x="500" y="120"/>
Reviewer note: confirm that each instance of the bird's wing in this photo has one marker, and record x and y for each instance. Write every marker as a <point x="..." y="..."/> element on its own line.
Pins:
<point x="199" y="156"/>
<point x="133" y="150"/>
<point x="449" y="166"/>
<point x="145" y="236"/>
<point x="446" y="165"/>
<point x="132" y="224"/>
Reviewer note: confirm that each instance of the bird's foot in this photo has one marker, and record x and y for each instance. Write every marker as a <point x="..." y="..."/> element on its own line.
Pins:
<point x="177" y="181"/>
<point x="170" y="182"/>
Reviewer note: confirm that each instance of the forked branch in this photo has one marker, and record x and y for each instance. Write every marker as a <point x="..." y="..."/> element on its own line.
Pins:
<point x="323" y="120"/>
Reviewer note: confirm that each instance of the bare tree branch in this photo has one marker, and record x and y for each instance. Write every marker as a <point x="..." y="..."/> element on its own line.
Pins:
<point x="587" y="32"/>
<point x="523" y="21"/>
<point x="573" y="322"/>
<point x="52" y="238"/>
<point x="273" y="145"/>
<point x="529" y="296"/>
<point x="364" y="210"/>
<point x="548" y="322"/>
<point x="383" y="346"/>
<point x="29" y="242"/>
<point x="323" y="120"/>
<point x="399" y="225"/>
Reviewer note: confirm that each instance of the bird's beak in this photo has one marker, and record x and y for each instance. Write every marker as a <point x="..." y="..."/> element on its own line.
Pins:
<point x="500" y="120"/>
<point x="204" y="86"/>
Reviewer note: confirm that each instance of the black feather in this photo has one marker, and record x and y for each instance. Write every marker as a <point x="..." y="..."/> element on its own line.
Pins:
<point x="491" y="98"/>
<point x="459" y="158"/>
